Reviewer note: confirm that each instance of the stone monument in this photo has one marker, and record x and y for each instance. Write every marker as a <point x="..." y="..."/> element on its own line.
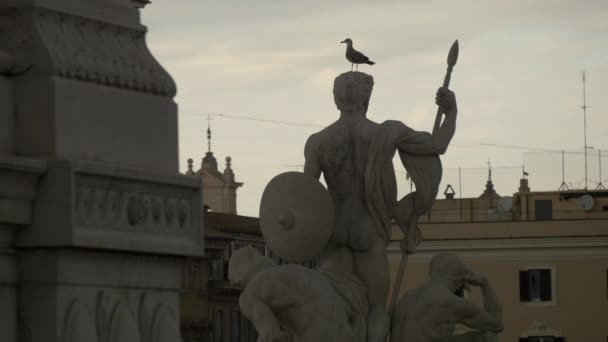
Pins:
<point x="94" y="218"/>
<point x="291" y="302"/>
<point x="430" y="313"/>
<point x="350" y="231"/>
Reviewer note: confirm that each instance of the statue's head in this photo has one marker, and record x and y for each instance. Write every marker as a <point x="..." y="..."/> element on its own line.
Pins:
<point x="245" y="263"/>
<point x="352" y="91"/>
<point x="450" y="268"/>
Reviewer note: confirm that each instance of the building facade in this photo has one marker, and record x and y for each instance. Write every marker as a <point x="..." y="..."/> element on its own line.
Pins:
<point x="545" y="254"/>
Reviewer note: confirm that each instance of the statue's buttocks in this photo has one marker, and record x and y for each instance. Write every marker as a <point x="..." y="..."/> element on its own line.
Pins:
<point x="342" y="150"/>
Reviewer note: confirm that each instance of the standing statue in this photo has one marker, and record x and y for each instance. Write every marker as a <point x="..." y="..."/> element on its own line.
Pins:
<point x="293" y="303"/>
<point x="430" y="313"/>
<point x="347" y="226"/>
<point x="355" y="156"/>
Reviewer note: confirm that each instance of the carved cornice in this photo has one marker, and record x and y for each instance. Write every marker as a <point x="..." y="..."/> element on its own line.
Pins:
<point x="73" y="47"/>
<point x="102" y="206"/>
<point x="116" y="207"/>
<point x="18" y="185"/>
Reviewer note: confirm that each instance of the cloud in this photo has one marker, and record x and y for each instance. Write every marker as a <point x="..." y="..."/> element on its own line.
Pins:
<point x="517" y="79"/>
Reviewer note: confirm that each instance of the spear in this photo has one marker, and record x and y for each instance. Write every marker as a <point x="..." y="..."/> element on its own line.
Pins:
<point x="452" y="58"/>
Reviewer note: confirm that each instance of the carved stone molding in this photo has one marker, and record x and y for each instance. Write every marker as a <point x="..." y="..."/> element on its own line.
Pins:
<point x="115" y="320"/>
<point x="53" y="43"/>
<point x="78" y="323"/>
<point x="113" y="206"/>
<point x="102" y="206"/>
<point x="18" y="184"/>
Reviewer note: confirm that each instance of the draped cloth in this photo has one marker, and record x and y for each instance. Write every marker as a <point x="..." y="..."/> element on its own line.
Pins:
<point x="353" y="293"/>
<point x="419" y="153"/>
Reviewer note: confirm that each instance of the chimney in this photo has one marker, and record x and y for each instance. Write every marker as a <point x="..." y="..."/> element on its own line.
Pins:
<point x="523" y="185"/>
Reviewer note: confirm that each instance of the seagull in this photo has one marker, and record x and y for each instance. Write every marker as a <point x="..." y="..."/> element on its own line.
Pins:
<point x="354" y="56"/>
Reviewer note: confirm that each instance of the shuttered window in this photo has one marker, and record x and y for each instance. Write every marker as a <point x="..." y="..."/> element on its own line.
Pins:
<point x="535" y="285"/>
<point x="542" y="339"/>
<point x="543" y="210"/>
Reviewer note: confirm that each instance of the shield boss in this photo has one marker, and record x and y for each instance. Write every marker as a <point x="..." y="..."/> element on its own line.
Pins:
<point x="296" y="216"/>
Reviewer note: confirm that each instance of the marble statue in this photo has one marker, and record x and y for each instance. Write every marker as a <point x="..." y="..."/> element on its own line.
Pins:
<point x="294" y="303"/>
<point x="430" y="313"/>
<point x="355" y="156"/>
<point x="348" y="225"/>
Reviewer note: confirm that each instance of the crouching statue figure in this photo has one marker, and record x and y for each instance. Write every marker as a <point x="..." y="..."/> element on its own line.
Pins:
<point x="430" y="313"/>
<point x="294" y="303"/>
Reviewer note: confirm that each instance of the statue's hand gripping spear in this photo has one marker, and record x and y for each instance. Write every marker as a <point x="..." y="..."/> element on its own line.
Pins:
<point x="452" y="59"/>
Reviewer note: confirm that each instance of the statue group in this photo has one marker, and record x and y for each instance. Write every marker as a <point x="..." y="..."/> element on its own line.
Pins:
<point x="348" y="226"/>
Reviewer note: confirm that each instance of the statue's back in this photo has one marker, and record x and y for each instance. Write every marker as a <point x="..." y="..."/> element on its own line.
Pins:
<point x="343" y="151"/>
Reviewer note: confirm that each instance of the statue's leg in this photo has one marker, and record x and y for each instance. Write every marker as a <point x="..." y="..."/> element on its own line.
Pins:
<point x="337" y="259"/>
<point x="407" y="211"/>
<point x="372" y="268"/>
<point x="327" y="331"/>
<point x="471" y="336"/>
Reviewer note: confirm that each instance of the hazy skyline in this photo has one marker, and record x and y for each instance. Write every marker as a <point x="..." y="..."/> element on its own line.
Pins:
<point x="517" y="81"/>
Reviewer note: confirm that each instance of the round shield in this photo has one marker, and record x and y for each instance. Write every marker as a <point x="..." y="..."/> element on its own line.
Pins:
<point x="296" y="216"/>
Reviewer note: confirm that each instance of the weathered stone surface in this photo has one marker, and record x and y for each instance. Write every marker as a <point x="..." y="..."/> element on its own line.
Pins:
<point x="430" y="312"/>
<point x="355" y="157"/>
<point x="321" y="308"/>
<point x="87" y="295"/>
<point x="86" y="86"/>
<point x="7" y="117"/>
<point x="94" y="205"/>
<point x="94" y="218"/>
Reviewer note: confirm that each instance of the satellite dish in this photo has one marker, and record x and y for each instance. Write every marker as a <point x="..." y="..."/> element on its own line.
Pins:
<point x="505" y="204"/>
<point x="586" y="202"/>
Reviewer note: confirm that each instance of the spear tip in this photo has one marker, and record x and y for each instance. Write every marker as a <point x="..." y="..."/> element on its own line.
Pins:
<point x="453" y="55"/>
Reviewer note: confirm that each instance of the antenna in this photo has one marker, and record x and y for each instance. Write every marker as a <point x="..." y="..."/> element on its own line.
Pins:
<point x="460" y="189"/>
<point x="585" y="125"/>
<point x="489" y="170"/>
<point x="600" y="185"/>
<point x="564" y="186"/>
<point x="208" y="133"/>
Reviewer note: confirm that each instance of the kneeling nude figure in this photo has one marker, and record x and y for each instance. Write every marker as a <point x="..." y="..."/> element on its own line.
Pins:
<point x="294" y="303"/>
<point x="430" y="313"/>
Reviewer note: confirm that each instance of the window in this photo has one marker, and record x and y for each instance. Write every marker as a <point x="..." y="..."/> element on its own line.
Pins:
<point x="218" y="325"/>
<point x="541" y="339"/>
<point x="536" y="285"/>
<point x="540" y="332"/>
<point x="543" y="210"/>
<point x="235" y="325"/>
<point x="217" y="269"/>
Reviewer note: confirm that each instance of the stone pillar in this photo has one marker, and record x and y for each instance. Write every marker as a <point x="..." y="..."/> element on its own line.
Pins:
<point x="7" y="115"/>
<point x="18" y="179"/>
<point x="96" y="221"/>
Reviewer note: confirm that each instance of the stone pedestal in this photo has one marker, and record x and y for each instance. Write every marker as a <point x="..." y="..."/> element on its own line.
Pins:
<point x="90" y="89"/>
<point x="18" y="182"/>
<point x="94" y="218"/>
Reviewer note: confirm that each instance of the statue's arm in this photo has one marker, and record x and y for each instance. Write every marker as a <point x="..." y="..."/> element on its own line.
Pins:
<point x="260" y="314"/>
<point x="491" y="304"/>
<point x="467" y="313"/>
<point x="312" y="166"/>
<point x="424" y="143"/>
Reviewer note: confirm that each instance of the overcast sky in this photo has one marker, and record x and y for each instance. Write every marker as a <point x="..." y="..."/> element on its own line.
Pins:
<point x="517" y="81"/>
